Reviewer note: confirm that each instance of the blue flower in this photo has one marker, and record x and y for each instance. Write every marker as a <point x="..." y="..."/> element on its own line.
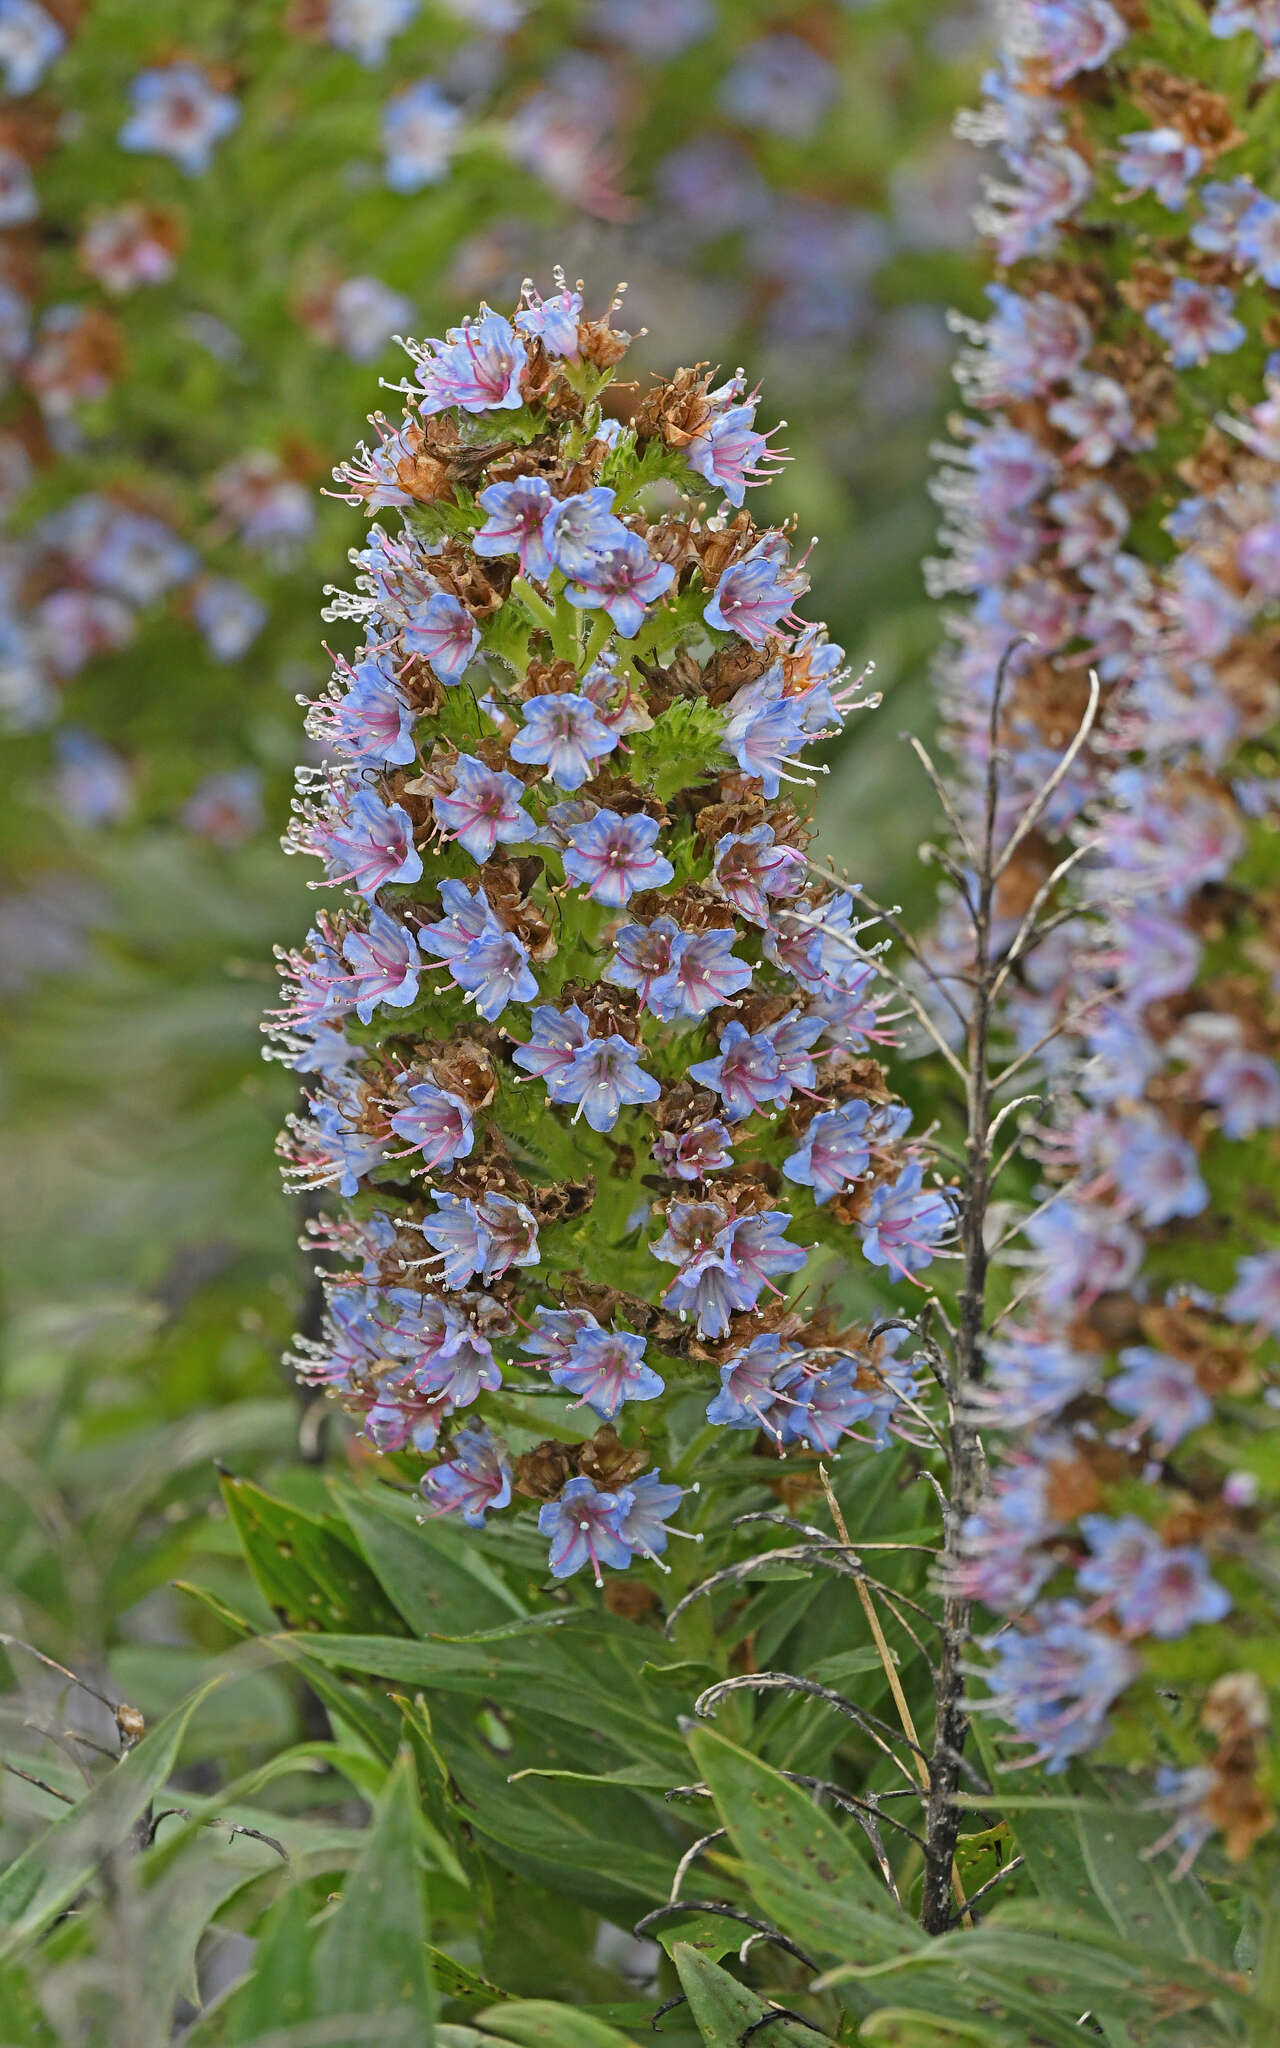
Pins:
<point x="749" y="1397"/>
<point x="585" y="1527"/>
<point x="836" y="1150"/>
<point x="1056" y="1681"/>
<point x="178" y="112"/>
<point x="564" y="734"/>
<point x="604" y="1368"/>
<point x="477" y="367"/>
<point x="703" y="973"/>
<point x="755" y="593"/>
<point x="370" y="844"/>
<point x="1161" y="1394"/>
<point x="644" y="1525"/>
<point x="557" y="1036"/>
<point x="553" y="321"/>
<point x="1258" y="240"/>
<point x="581" y="532"/>
<point x="780" y="83"/>
<point x="622" y="583"/>
<point x="1160" y="161"/>
<point x="1170" y="1593"/>
<point x="30" y="39"/>
<point x="494" y="970"/>
<point x="436" y="1124"/>
<point x="1197" y="320"/>
<point x="446" y="634"/>
<point x="765" y="732"/>
<point x="458" y="1234"/>
<point x="385" y="963"/>
<point x="904" y="1223"/>
<point x="747" y="1073"/>
<point x="483" y="808"/>
<point x="419" y="134"/>
<point x="517" y="513"/>
<point x="602" y="1078"/>
<point x="364" y="28"/>
<point x="371" y="723"/>
<point x="613" y="856"/>
<point x="466" y="916"/>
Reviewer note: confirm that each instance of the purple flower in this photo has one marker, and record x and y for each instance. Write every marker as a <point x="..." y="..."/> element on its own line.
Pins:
<point x="484" y="808"/>
<point x="1056" y="1682"/>
<point x="722" y="1270"/>
<point x="494" y="970"/>
<point x="473" y="1480"/>
<point x="384" y="962"/>
<point x="1160" y="161"/>
<point x="557" y="1036"/>
<point x="436" y="1124"/>
<point x="1096" y="413"/>
<point x="371" y="844"/>
<point x="477" y="367"/>
<point x="564" y="734"/>
<point x="613" y="856"/>
<point x="622" y="583"/>
<point x="1251" y="17"/>
<point x="446" y="634"/>
<point x="1029" y="1379"/>
<point x="604" y="1368"/>
<point x="757" y="591"/>
<point x="585" y="1527"/>
<point x="602" y="1079"/>
<point x="905" y="1223"/>
<point x="644" y="1525"/>
<point x="178" y="112"/>
<point x="1197" y="321"/>
<point x="1255" y="1297"/>
<point x="750" y="867"/>
<point x="1161" y="1394"/>
<point x="517" y="512"/>
<point x="747" y="1073"/>
<point x="836" y="1151"/>
<point x="703" y="973"/>
<point x="1031" y="343"/>
<point x="419" y="135"/>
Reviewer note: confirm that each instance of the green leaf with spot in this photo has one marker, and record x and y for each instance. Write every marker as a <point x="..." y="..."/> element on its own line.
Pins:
<point x="808" y="1875"/>
<point x="310" y="1577"/>
<point x="724" y="2009"/>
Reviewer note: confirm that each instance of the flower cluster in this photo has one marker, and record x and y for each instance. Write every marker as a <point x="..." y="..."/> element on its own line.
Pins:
<point x="1114" y="503"/>
<point x="588" y="1046"/>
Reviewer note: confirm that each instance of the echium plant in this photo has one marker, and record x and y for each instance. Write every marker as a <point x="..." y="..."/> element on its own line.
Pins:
<point x="588" y="1042"/>
<point x="1114" y="503"/>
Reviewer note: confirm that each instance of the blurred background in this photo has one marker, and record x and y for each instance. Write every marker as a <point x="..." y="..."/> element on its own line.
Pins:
<point x="214" y="217"/>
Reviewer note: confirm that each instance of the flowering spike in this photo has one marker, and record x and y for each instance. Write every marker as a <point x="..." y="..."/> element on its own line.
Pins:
<point x="555" y="770"/>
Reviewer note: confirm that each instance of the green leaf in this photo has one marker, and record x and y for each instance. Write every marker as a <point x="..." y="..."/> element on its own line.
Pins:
<point x="277" y="1992"/>
<point x="724" y="2009"/>
<point x="1137" y="1893"/>
<point x="22" y="2023"/>
<point x="307" y="1574"/>
<point x="53" y="1869"/>
<point x="709" y="1935"/>
<point x="895" y="2027"/>
<point x="537" y="2023"/>
<point x="372" y="1955"/>
<point x="439" y="1584"/>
